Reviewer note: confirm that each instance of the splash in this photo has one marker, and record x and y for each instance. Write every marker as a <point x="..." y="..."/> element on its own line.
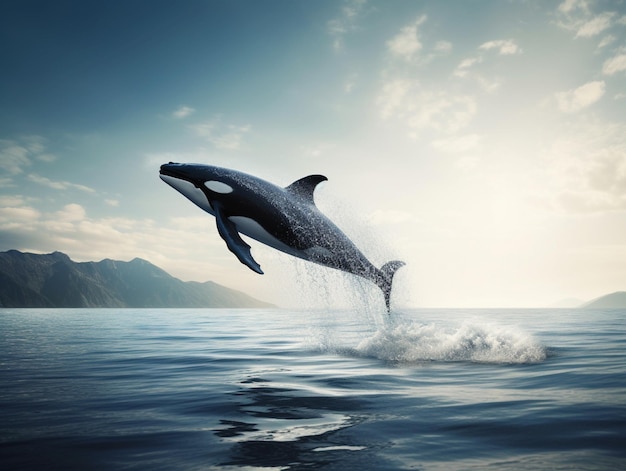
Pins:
<point x="468" y="342"/>
<point x="411" y="342"/>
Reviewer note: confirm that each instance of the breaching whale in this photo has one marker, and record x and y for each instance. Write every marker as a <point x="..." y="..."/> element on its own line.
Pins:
<point x="283" y="218"/>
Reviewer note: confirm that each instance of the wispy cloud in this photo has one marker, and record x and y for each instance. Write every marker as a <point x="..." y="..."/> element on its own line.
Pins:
<point x="71" y="212"/>
<point x="586" y="167"/>
<point x="350" y="83"/>
<point x="443" y="46"/>
<point x="13" y="157"/>
<point x="226" y="137"/>
<point x="504" y="47"/>
<point x="393" y="97"/>
<point x="579" y="98"/>
<point x="406" y="44"/>
<point x="346" y="22"/>
<point x="421" y="109"/>
<point x="12" y="216"/>
<point x="607" y="40"/>
<point x="577" y="16"/>
<point x="595" y="25"/>
<point x="18" y="154"/>
<point x="571" y="13"/>
<point x="183" y="112"/>
<point x="570" y="5"/>
<point x="462" y="70"/>
<point x="615" y="64"/>
<point x="58" y="185"/>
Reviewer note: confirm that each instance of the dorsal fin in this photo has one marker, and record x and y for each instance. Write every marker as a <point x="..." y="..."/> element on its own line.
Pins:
<point x="305" y="187"/>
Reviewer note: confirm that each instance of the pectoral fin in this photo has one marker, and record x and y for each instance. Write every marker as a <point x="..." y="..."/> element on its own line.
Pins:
<point x="234" y="242"/>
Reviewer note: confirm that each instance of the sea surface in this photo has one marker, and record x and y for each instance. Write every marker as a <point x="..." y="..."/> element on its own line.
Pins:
<point x="428" y="389"/>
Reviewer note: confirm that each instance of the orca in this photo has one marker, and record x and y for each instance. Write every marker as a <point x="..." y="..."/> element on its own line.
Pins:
<point x="286" y="219"/>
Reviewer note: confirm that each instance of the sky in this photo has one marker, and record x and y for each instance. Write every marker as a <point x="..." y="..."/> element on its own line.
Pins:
<point x="482" y="142"/>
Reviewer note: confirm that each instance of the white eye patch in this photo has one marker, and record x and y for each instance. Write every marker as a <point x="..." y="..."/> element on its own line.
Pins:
<point x="218" y="187"/>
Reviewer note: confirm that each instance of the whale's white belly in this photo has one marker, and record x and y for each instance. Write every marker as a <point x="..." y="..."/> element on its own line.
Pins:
<point x="188" y="189"/>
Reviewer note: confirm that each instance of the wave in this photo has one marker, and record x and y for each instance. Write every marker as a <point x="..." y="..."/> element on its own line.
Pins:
<point x="410" y="342"/>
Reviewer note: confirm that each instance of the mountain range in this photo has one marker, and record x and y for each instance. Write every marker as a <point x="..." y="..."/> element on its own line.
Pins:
<point x="615" y="300"/>
<point x="55" y="281"/>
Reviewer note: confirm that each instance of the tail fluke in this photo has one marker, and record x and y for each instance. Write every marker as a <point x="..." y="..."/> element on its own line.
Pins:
<point x="385" y="279"/>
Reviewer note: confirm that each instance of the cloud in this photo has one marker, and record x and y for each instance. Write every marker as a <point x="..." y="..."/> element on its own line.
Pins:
<point x="586" y="167"/>
<point x="58" y="185"/>
<point x="442" y="111"/>
<point x="48" y="158"/>
<point x="71" y="212"/>
<point x="351" y="82"/>
<point x="406" y="44"/>
<point x="12" y="200"/>
<point x="579" y="98"/>
<point x="571" y="13"/>
<point x="60" y="230"/>
<point x="392" y="97"/>
<point x="577" y="16"/>
<point x="17" y="155"/>
<point x="614" y="64"/>
<point x="443" y="46"/>
<point x="422" y="109"/>
<point x="606" y="41"/>
<point x="463" y="68"/>
<point x="13" y="157"/>
<point x="70" y="229"/>
<point x="12" y="215"/>
<point x="595" y="26"/>
<point x="183" y="112"/>
<point x="226" y="137"/>
<point x="570" y="5"/>
<point x="504" y="47"/>
<point x="345" y="23"/>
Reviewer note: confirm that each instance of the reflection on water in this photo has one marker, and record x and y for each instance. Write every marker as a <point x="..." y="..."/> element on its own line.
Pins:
<point x="286" y="428"/>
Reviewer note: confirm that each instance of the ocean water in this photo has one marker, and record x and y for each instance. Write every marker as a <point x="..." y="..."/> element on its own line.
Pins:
<point x="429" y="389"/>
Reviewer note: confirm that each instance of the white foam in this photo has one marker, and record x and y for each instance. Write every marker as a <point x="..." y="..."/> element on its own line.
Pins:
<point x="484" y="343"/>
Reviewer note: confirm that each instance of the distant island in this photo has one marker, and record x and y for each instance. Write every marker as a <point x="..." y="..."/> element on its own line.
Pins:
<point x="53" y="280"/>
<point x="615" y="300"/>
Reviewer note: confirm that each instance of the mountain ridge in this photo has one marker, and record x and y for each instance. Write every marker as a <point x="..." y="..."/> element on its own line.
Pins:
<point x="54" y="280"/>
<point x="616" y="300"/>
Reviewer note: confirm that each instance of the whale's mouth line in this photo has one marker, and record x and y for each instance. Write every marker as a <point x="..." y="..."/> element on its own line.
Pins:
<point x="170" y="171"/>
